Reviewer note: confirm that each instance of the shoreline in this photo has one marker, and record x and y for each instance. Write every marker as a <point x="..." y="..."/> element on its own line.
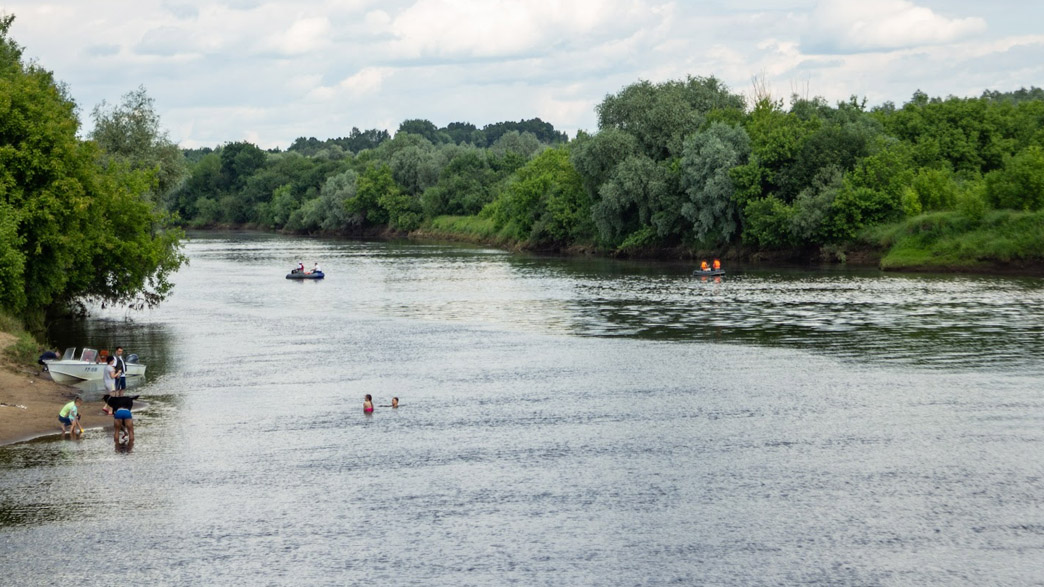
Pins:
<point x="856" y="256"/>
<point x="30" y="402"/>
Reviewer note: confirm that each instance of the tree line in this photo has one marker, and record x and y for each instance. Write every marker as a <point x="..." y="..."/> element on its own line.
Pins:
<point x="682" y="163"/>
<point x="679" y="163"/>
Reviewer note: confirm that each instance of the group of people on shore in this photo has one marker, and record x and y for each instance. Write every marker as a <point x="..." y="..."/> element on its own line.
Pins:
<point x="368" y="404"/>
<point x="114" y="376"/>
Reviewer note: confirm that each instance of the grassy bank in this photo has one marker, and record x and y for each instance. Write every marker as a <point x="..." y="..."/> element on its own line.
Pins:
<point x="466" y="228"/>
<point x="999" y="241"/>
<point x="25" y="348"/>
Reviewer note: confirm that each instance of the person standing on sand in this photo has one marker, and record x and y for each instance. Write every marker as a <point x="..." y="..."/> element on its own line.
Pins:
<point x="70" y="416"/>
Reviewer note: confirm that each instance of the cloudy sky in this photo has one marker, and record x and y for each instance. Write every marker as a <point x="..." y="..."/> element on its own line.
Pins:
<point x="269" y="71"/>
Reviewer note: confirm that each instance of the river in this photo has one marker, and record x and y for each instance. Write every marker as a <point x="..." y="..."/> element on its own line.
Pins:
<point x="562" y="422"/>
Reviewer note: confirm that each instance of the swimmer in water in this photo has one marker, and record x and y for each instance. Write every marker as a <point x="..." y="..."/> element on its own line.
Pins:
<point x="368" y="404"/>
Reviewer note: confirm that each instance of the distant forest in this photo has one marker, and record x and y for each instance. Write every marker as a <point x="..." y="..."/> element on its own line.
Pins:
<point x="680" y="163"/>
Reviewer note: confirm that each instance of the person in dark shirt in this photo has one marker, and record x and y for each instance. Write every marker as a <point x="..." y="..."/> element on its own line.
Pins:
<point x="121" y="368"/>
<point x="48" y="356"/>
<point x="122" y="419"/>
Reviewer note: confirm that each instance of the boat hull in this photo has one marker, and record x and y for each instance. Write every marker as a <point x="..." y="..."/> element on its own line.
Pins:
<point x="72" y="372"/>
<point x="709" y="272"/>
<point x="316" y="275"/>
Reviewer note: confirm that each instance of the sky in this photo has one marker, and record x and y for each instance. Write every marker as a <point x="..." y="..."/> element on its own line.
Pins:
<point x="271" y="71"/>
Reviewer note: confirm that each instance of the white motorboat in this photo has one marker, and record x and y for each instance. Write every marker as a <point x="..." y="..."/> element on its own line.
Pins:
<point x="69" y="370"/>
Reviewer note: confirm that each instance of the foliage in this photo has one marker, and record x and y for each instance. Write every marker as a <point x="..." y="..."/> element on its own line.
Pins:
<point x="545" y="203"/>
<point x="659" y="116"/>
<point x="78" y="222"/>
<point x="1020" y="184"/>
<point x="708" y="157"/>
<point x="679" y="162"/>
<point x="950" y="239"/>
<point x="479" y="227"/>
<point x="130" y="134"/>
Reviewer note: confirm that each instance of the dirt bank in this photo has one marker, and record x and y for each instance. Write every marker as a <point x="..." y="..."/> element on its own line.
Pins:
<point x="30" y="401"/>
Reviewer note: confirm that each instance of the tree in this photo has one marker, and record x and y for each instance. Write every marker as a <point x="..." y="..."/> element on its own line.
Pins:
<point x="1020" y="184"/>
<point x="545" y="202"/>
<point x="74" y="225"/>
<point x="661" y="115"/>
<point x="375" y="182"/>
<point x="707" y="160"/>
<point x="424" y="128"/>
<point x="464" y="186"/>
<point x="639" y="194"/>
<point x="130" y="134"/>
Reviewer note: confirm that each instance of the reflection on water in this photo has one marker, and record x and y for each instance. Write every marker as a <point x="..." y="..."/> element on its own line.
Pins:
<point x="93" y="390"/>
<point x="563" y="422"/>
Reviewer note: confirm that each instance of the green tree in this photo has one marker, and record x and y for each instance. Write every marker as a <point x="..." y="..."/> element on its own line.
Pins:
<point x="424" y="128"/>
<point x="130" y="134"/>
<point x="661" y="115"/>
<point x="78" y="229"/>
<point x="374" y="185"/>
<point x="465" y="185"/>
<point x="1020" y="184"/>
<point x="545" y="203"/>
<point x="708" y="158"/>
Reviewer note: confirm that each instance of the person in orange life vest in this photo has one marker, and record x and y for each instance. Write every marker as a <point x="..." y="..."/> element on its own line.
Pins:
<point x="717" y="264"/>
<point x="703" y="266"/>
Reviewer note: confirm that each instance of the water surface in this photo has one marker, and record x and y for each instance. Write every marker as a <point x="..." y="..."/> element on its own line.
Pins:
<point x="562" y="422"/>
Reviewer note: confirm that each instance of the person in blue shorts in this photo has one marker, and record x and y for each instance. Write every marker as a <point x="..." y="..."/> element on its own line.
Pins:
<point x="69" y="416"/>
<point x="122" y="419"/>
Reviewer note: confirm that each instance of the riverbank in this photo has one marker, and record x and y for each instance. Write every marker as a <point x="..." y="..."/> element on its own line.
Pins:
<point x="998" y="243"/>
<point x="30" y="401"/>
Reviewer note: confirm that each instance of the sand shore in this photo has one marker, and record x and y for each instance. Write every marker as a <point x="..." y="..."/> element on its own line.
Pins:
<point x="30" y="401"/>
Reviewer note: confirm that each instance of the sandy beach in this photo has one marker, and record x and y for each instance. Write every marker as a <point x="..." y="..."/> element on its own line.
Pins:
<point x="30" y="401"/>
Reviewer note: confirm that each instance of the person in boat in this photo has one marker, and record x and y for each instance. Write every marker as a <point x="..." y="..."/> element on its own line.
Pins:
<point x="122" y="418"/>
<point x="717" y="264"/>
<point x="316" y="269"/>
<point x="704" y="266"/>
<point x="69" y="416"/>
<point x="368" y="404"/>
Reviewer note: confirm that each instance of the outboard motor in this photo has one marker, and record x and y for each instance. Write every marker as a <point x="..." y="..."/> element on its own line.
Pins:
<point x="132" y="358"/>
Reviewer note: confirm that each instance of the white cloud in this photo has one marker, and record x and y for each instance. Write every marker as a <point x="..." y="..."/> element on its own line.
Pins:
<point x="850" y="26"/>
<point x="282" y="69"/>
<point x="367" y="81"/>
<point x="303" y="36"/>
<point x="458" y="29"/>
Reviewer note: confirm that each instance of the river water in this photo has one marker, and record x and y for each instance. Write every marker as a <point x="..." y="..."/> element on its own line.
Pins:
<point x="562" y="422"/>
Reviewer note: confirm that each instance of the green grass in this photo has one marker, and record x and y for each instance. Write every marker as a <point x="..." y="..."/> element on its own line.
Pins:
<point x="25" y="348"/>
<point x="469" y="227"/>
<point x="952" y="240"/>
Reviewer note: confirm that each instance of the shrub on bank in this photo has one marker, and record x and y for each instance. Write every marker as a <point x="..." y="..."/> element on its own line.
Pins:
<point x="953" y="240"/>
<point x="25" y="349"/>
